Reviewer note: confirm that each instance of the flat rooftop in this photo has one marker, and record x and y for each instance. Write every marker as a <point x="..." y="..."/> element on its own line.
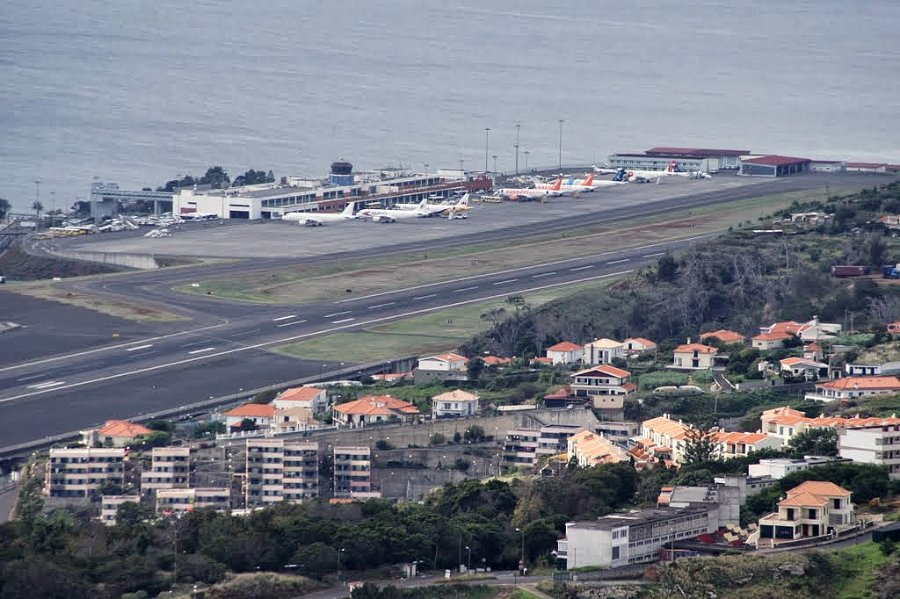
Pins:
<point x="645" y="516"/>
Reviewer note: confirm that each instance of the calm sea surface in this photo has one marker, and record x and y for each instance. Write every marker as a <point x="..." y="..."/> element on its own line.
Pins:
<point x="137" y="92"/>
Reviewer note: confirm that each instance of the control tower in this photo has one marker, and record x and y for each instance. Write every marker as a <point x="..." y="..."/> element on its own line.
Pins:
<point x="341" y="173"/>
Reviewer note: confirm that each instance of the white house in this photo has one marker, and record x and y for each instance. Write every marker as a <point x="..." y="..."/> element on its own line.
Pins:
<point x="374" y="409"/>
<point x="262" y="415"/>
<point x="601" y="380"/>
<point x="812" y="509"/>
<point x="769" y="341"/>
<point x="638" y="345"/>
<point x="454" y="403"/>
<point x="602" y="351"/>
<point x="442" y="367"/>
<point x="802" y="368"/>
<point x="694" y="356"/>
<point x="877" y="444"/>
<point x="311" y="398"/>
<point x="565" y="352"/>
<point x="853" y="387"/>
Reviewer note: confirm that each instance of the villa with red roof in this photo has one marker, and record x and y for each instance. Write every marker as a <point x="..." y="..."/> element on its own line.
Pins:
<point x="803" y="369"/>
<point x="854" y="387"/>
<point x="723" y="336"/>
<point x="785" y="423"/>
<point x="812" y="509"/>
<point x="374" y="409"/>
<point x="565" y="352"/>
<point x="738" y="444"/>
<point x="262" y="415"/>
<point x="447" y="366"/>
<point x="769" y="341"/>
<point x="694" y="356"/>
<point x="311" y="398"/>
<point x="114" y="433"/>
<point x="457" y="403"/>
<point x="638" y="345"/>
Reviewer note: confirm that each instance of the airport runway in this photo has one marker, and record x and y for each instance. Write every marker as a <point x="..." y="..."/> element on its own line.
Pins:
<point x="224" y="349"/>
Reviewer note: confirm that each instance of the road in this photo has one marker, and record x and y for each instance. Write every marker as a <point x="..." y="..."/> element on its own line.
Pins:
<point x="49" y="388"/>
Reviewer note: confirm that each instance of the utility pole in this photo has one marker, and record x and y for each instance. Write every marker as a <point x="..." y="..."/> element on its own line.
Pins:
<point x="494" y="156"/>
<point x="518" y="126"/>
<point x="527" y="152"/>
<point x="560" y="144"/>
<point x="487" y="136"/>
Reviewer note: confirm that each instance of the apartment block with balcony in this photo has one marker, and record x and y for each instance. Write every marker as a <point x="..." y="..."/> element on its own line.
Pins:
<point x="520" y="447"/>
<point x="353" y="473"/>
<point x="80" y="472"/>
<point x="109" y="507"/>
<point x="812" y="509"/>
<point x="278" y="470"/>
<point x="170" y="468"/>
<point x="876" y="444"/>
<point x="177" y="502"/>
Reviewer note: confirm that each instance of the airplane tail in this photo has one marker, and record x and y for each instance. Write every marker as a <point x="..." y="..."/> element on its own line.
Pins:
<point x="557" y="185"/>
<point x="589" y="181"/>
<point x="463" y="201"/>
<point x="348" y="209"/>
<point x="621" y="175"/>
<point x="672" y="166"/>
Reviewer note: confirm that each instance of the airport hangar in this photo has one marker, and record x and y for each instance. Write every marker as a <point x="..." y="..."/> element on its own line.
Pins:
<point x="294" y="194"/>
<point x="708" y="160"/>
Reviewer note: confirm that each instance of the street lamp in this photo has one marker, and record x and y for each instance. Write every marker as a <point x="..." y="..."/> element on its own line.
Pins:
<point x="469" y="560"/>
<point x="527" y="152"/>
<point x="339" y="566"/>
<point x="495" y="162"/>
<point x="560" y="143"/>
<point x="518" y="126"/>
<point x="522" y="561"/>
<point x="487" y="136"/>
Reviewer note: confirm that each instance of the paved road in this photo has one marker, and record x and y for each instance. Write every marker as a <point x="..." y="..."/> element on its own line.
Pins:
<point x="224" y="348"/>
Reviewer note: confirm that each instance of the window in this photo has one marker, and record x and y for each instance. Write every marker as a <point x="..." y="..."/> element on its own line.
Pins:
<point x="615" y="553"/>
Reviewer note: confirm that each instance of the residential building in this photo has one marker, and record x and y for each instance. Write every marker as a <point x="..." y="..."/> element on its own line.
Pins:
<point x="590" y="449"/>
<point x="178" y="502"/>
<point x="293" y="420"/>
<point x="738" y="445"/>
<point x="726" y="498"/>
<point x="115" y="433"/>
<point x="694" y="356"/>
<point x="601" y="380"/>
<point x="745" y="485"/>
<point x="603" y="351"/>
<point x="638" y="345"/>
<point x="666" y="437"/>
<point x="353" y="473"/>
<point x="723" y="336"/>
<point x="873" y="444"/>
<point x="785" y="423"/>
<point x="803" y="369"/>
<point x="497" y="361"/>
<point x="812" y="509"/>
<point x="618" y="432"/>
<point x="261" y="415"/>
<point x="109" y="507"/>
<point x="565" y="352"/>
<point x="554" y="438"/>
<point x="813" y="352"/>
<point x="858" y="369"/>
<point x="81" y="472"/>
<point x="770" y="341"/>
<point x="812" y="330"/>
<point x="562" y="397"/>
<point x="456" y="403"/>
<point x="374" y="409"/>
<point x="632" y="538"/>
<point x="854" y="387"/>
<point x="311" y="398"/>
<point x="442" y="367"/>
<point x="520" y="447"/>
<point x="277" y="470"/>
<point x="170" y="468"/>
<point x="778" y="468"/>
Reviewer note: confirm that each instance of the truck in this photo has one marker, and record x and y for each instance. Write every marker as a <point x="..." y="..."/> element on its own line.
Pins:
<point x="843" y="272"/>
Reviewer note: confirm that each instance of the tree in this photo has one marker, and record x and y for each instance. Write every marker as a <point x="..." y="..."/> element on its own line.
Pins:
<point x="474" y="369"/>
<point x="215" y="177"/>
<point x="37" y="207"/>
<point x="474" y="434"/>
<point x="4" y="208"/>
<point x="666" y="268"/>
<point x="815" y="441"/>
<point x="248" y="424"/>
<point x="699" y="446"/>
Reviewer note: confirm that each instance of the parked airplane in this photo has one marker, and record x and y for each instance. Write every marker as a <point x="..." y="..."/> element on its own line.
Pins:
<point x="458" y="210"/>
<point x="389" y="215"/>
<point x="587" y="184"/>
<point x="671" y="170"/>
<point x="530" y="193"/>
<point x="317" y="219"/>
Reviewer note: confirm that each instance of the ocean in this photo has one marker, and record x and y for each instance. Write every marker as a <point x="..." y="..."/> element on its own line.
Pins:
<point x="138" y="92"/>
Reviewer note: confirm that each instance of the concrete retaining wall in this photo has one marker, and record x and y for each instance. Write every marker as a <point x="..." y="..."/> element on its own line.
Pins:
<point x="139" y="261"/>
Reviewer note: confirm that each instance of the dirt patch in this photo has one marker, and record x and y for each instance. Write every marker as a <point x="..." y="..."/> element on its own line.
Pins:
<point x="18" y="265"/>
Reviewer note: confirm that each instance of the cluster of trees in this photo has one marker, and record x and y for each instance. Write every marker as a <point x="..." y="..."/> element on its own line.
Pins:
<point x="217" y="178"/>
<point x="738" y="281"/>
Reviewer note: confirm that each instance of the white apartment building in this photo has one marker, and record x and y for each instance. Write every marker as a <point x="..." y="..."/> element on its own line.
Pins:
<point x="525" y="446"/>
<point x="277" y="470"/>
<point x="170" y="468"/>
<point x="177" y="502"/>
<point x="456" y="403"/>
<point x="353" y="473"/>
<point x="876" y="444"/>
<point x="80" y="472"/>
<point x="109" y="507"/>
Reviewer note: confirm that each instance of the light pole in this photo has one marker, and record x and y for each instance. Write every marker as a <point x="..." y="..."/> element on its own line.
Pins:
<point x="37" y="199"/>
<point x="527" y="152"/>
<point x="518" y="126"/>
<point x="339" y="566"/>
<point x="487" y="136"/>
<point x="560" y="143"/>
<point x="495" y="162"/>
<point x="522" y="561"/>
<point x="469" y="560"/>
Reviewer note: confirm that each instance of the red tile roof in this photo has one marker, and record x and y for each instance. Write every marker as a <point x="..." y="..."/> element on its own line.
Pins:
<point x="565" y="346"/>
<point x="775" y="160"/>
<point x="605" y="369"/>
<point x="866" y="164"/>
<point x="123" y="429"/>
<point x="377" y="405"/>
<point x="863" y="383"/>
<point x="448" y="357"/>
<point x="772" y="337"/>
<point x="252" y="410"/>
<point x="300" y="394"/>
<point x="698" y="347"/>
<point x="724" y="336"/>
<point x="642" y="341"/>
<point x="820" y="487"/>
<point x="497" y="361"/>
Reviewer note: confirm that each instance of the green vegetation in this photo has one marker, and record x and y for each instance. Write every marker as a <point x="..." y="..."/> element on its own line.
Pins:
<point x="440" y="590"/>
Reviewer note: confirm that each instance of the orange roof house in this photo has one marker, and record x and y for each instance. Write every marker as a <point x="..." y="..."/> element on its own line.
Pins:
<point x="854" y="387"/>
<point x="813" y="509"/>
<point x="373" y="409"/>
<point x="252" y="410"/>
<point x="115" y="433"/>
<point x="565" y="346"/>
<point x="723" y="336"/>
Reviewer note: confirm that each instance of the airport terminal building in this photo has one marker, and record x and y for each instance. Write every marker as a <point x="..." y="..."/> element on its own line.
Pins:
<point x="382" y="188"/>
<point x="708" y="160"/>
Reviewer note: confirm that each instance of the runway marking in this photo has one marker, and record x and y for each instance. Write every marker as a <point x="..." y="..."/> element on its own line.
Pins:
<point x="342" y="320"/>
<point x="30" y="378"/>
<point x="256" y="346"/>
<point x="201" y="351"/>
<point x="582" y="267"/>
<point x="139" y="347"/>
<point x="337" y="314"/>
<point x="382" y="305"/>
<point x="290" y="324"/>
<point x="532" y="267"/>
<point x="619" y="261"/>
<point x="46" y="385"/>
<point x="544" y="274"/>
<point x="506" y="281"/>
<point x="421" y="297"/>
<point x="466" y="289"/>
<point x="108" y="348"/>
<point x="655" y="255"/>
<point x="290" y="316"/>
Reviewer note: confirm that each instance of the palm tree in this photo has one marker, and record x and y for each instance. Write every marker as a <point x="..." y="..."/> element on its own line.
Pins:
<point x="37" y="207"/>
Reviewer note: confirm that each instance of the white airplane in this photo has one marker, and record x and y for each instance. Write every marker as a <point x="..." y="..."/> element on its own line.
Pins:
<point x="314" y="219"/>
<point x="671" y="170"/>
<point x="584" y="185"/>
<point x="390" y="215"/>
<point x="458" y="210"/>
<point x="530" y="193"/>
